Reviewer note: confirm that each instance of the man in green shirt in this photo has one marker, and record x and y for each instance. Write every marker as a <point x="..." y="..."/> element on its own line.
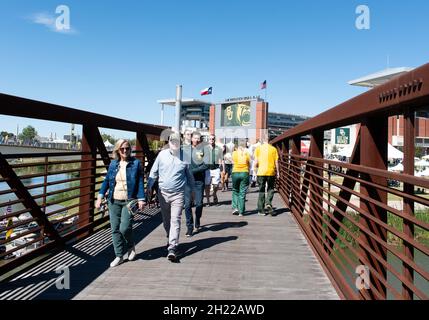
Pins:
<point x="216" y="163"/>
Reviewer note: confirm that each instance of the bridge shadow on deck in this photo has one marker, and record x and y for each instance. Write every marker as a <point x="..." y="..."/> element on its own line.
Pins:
<point x="86" y="261"/>
<point x="185" y="249"/>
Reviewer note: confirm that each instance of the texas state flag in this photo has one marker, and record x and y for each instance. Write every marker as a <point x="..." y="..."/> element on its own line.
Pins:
<point x="206" y="91"/>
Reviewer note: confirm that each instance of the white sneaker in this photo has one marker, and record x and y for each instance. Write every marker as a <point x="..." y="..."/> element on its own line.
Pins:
<point x="116" y="262"/>
<point x="131" y="254"/>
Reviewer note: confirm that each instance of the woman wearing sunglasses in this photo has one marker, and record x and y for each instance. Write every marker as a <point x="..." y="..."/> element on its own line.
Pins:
<point x="124" y="182"/>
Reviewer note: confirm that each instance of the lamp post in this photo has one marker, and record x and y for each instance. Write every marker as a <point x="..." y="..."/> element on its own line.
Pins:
<point x="178" y="106"/>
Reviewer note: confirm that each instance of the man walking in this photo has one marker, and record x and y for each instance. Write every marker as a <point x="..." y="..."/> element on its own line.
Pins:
<point x="173" y="175"/>
<point x="196" y="158"/>
<point x="266" y="162"/>
<point x="187" y="137"/>
<point x="229" y="149"/>
<point x="215" y="162"/>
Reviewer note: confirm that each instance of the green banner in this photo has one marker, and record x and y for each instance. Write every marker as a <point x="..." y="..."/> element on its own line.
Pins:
<point x="236" y="114"/>
<point x="342" y="135"/>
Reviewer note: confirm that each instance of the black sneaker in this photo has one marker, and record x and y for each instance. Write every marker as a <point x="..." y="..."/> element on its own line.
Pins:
<point x="197" y="228"/>
<point x="172" y="255"/>
<point x="235" y="212"/>
<point x="189" y="233"/>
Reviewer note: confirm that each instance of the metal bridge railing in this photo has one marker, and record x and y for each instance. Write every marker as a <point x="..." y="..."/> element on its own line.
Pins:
<point x="368" y="226"/>
<point x="48" y="199"/>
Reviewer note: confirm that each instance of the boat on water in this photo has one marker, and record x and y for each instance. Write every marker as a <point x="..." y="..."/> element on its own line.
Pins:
<point x="21" y="245"/>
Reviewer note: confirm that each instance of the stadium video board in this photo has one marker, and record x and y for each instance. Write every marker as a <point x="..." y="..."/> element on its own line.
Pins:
<point x="236" y="114"/>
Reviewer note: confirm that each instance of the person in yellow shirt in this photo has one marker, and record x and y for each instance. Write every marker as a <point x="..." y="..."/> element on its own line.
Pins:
<point x="240" y="178"/>
<point x="266" y="162"/>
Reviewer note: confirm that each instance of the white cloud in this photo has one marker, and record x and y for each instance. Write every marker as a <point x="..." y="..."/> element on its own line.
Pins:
<point x="49" y="21"/>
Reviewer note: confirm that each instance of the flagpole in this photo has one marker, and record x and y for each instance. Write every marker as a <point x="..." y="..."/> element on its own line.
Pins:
<point x="212" y="103"/>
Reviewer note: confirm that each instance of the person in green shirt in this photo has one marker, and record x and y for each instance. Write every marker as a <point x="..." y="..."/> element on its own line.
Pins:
<point x="213" y="174"/>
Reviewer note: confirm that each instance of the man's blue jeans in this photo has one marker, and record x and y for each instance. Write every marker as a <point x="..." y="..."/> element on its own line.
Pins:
<point x="198" y="200"/>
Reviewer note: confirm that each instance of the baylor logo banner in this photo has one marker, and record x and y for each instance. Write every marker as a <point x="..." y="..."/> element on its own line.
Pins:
<point x="342" y="136"/>
<point x="236" y="115"/>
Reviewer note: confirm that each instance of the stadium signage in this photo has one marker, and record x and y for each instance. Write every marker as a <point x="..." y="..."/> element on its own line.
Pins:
<point x="242" y="98"/>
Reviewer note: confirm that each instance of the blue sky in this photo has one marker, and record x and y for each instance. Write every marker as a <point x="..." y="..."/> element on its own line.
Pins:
<point x="122" y="56"/>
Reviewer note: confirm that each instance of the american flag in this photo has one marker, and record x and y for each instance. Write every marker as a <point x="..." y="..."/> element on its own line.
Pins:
<point x="264" y="85"/>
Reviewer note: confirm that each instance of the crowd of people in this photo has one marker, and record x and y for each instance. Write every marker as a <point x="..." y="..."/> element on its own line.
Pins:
<point x="183" y="173"/>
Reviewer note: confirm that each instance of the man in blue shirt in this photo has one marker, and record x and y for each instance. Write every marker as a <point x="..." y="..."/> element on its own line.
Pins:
<point x="173" y="175"/>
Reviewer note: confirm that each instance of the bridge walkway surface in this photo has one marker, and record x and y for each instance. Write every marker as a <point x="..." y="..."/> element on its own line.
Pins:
<point x="243" y="258"/>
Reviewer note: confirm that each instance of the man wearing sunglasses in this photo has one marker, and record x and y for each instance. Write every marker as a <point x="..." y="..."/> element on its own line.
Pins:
<point x="196" y="157"/>
<point x="173" y="175"/>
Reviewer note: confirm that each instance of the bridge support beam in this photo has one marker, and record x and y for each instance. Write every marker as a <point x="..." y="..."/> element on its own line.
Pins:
<point x="293" y="196"/>
<point x="142" y="145"/>
<point x="373" y="153"/>
<point x="349" y="182"/>
<point x="284" y="183"/>
<point x="28" y="201"/>
<point x="87" y="194"/>
<point x="286" y="159"/>
<point x="316" y="187"/>
<point x="408" y="205"/>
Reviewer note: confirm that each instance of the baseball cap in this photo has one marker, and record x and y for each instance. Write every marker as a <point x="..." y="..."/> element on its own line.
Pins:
<point x="174" y="137"/>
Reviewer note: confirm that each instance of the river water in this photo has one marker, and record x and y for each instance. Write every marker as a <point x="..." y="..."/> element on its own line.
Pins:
<point x="38" y="191"/>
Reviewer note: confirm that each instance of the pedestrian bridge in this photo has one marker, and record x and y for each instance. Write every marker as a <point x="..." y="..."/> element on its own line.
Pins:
<point x="342" y="229"/>
<point x="250" y="257"/>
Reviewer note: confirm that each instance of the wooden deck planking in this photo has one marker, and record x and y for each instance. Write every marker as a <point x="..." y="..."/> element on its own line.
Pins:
<point x="242" y="258"/>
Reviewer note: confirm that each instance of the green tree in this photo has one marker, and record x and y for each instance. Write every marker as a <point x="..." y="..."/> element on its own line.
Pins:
<point x="28" y="133"/>
<point x="133" y="142"/>
<point x="419" y="152"/>
<point x="155" y="145"/>
<point x="108" y="137"/>
<point x="5" y="133"/>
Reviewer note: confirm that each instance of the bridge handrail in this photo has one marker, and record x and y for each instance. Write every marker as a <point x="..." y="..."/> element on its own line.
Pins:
<point x="354" y="224"/>
<point x="407" y="90"/>
<point x="22" y="107"/>
<point x="60" y="207"/>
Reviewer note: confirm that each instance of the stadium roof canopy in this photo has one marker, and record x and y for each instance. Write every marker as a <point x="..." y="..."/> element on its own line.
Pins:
<point x="185" y="102"/>
<point x="380" y="77"/>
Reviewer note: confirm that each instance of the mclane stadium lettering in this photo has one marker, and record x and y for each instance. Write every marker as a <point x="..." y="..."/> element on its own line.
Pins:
<point x="243" y="98"/>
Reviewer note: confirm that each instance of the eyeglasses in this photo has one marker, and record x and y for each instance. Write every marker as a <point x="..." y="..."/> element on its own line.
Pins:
<point x="124" y="149"/>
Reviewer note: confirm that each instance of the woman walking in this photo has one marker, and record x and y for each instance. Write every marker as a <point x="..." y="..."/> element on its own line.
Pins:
<point x="240" y="178"/>
<point x="124" y="181"/>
